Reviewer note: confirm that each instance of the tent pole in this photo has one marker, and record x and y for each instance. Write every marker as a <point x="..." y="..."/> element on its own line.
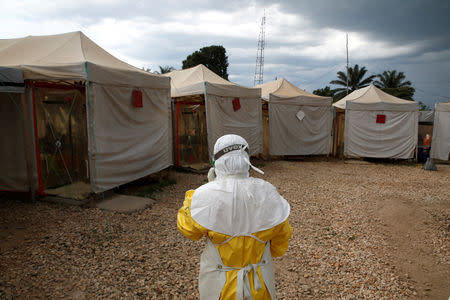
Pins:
<point x="178" y="137"/>
<point x="28" y="148"/>
<point x="38" y="161"/>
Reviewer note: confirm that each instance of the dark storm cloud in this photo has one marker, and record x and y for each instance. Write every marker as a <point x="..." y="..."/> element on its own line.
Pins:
<point x="396" y="20"/>
<point x="305" y="39"/>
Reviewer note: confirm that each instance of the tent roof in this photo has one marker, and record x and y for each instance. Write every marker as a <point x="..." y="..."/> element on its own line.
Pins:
<point x="282" y="91"/>
<point x="201" y="80"/>
<point x="283" y="88"/>
<point x="443" y="106"/>
<point x="373" y="98"/>
<point x="63" y="56"/>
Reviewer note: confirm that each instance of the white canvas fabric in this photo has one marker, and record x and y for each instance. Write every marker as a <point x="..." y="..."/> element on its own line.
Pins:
<point x="65" y="56"/>
<point x="13" y="176"/>
<point x="221" y="119"/>
<point x="397" y="138"/>
<point x="125" y="143"/>
<point x="364" y="137"/>
<point x="201" y="80"/>
<point x="373" y="98"/>
<point x="426" y="116"/>
<point x="219" y="93"/>
<point x="17" y="157"/>
<point x="440" y="143"/>
<point x="234" y="203"/>
<point x="288" y="135"/>
<point x="129" y="142"/>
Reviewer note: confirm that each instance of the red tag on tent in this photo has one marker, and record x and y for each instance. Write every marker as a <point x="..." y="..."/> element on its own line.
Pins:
<point x="381" y="119"/>
<point x="236" y="104"/>
<point x="137" y="98"/>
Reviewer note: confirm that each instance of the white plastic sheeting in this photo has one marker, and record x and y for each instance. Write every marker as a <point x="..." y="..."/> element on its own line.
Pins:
<point x="395" y="137"/>
<point x="440" y="143"/>
<point x="299" y="122"/>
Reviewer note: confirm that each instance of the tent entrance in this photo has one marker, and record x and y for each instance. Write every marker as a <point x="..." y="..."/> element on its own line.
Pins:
<point x="190" y="132"/>
<point x="62" y="134"/>
<point x="265" y="126"/>
<point x="338" y="134"/>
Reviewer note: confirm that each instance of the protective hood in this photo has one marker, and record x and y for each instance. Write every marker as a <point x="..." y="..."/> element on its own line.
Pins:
<point x="234" y="203"/>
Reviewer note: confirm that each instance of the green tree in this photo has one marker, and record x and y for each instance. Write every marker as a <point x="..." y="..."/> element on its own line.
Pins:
<point x="164" y="69"/>
<point x="356" y="81"/>
<point x="326" y="92"/>
<point x="423" y="106"/>
<point x="395" y="84"/>
<point x="213" y="57"/>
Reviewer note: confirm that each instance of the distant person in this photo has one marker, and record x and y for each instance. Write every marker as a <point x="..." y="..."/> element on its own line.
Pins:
<point x="426" y="146"/>
<point x="245" y="221"/>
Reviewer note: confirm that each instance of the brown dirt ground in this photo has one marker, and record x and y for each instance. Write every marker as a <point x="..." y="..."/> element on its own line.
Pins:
<point x="360" y="231"/>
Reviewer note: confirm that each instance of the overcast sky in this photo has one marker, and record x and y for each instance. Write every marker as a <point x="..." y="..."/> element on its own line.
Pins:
<point x="305" y="40"/>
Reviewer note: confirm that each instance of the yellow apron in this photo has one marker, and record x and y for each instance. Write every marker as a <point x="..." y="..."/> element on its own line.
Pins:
<point x="212" y="276"/>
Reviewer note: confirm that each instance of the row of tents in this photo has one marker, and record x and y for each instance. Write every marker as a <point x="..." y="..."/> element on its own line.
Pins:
<point x="71" y="113"/>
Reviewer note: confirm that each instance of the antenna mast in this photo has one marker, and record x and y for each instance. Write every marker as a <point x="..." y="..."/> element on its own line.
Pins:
<point x="347" y="60"/>
<point x="259" y="69"/>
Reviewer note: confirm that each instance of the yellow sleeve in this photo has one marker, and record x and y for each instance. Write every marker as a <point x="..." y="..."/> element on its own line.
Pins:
<point x="280" y="240"/>
<point x="186" y="225"/>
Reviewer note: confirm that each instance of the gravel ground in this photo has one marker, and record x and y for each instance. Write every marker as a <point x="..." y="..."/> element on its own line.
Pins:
<point x="369" y="231"/>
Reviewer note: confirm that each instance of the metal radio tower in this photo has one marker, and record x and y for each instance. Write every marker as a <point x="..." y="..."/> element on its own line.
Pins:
<point x="259" y="69"/>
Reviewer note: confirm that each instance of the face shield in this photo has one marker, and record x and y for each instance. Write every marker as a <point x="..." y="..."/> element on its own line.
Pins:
<point x="231" y="157"/>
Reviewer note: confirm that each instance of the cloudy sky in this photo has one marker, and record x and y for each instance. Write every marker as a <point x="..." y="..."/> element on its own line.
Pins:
<point x="305" y="40"/>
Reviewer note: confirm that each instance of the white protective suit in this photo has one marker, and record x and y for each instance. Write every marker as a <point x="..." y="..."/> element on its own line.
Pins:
<point x="245" y="220"/>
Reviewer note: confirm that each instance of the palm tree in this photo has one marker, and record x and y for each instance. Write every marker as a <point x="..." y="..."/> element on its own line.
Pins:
<point x="355" y="81"/>
<point x="326" y="92"/>
<point x="395" y="84"/>
<point x="164" y="69"/>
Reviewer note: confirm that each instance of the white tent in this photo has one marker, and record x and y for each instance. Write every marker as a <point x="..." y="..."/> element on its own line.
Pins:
<point x="126" y="111"/>
<point x="378" y="124"/>
<point x="440" y="143"/>
<point x="300" y="123"/>
<point x="222" y="117"/>
<point x="426" y="116"/>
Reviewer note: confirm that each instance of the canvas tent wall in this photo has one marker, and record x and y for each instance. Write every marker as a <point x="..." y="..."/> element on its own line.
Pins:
<point x="300" y="123"/>
<point x="379" y="125"/>
<point x="124" y="140"/>
<point x="440" y="143"/>
<point x="17" y="145"/>
<point x="206" y="107"/>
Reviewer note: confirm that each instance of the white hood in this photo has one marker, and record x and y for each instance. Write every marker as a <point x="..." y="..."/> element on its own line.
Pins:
<point x="236" y="204"/>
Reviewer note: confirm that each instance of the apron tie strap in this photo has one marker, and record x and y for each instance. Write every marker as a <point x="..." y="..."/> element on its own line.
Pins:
<point x="243" y="290"/>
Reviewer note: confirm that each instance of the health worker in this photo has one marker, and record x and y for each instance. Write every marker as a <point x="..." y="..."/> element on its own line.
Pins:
<point x="245" y="222"/>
